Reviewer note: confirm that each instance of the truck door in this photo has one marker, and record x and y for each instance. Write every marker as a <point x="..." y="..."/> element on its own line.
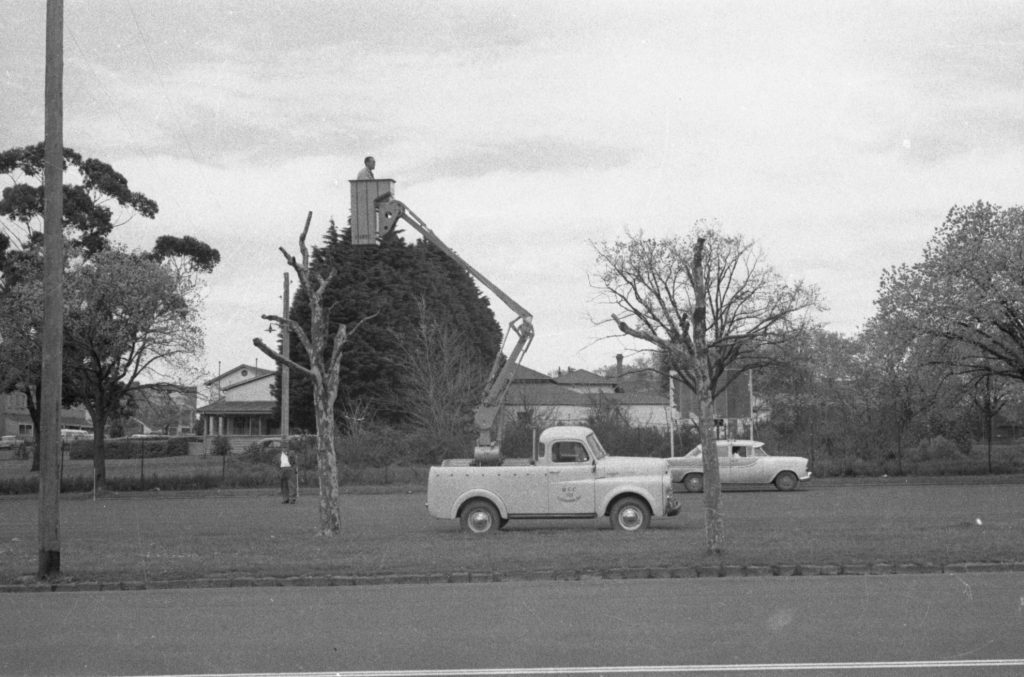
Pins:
<point x="570" y="479"/>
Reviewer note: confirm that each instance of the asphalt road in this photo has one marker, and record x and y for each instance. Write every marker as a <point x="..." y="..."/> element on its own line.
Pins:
<point x="937" y="624"/>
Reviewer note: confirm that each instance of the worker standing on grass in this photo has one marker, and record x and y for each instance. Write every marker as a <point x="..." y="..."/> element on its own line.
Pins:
<point x="289" y="480"/>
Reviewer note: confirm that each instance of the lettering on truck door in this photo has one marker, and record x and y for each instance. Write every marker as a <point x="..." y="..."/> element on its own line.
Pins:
<point x="570" y="479"/>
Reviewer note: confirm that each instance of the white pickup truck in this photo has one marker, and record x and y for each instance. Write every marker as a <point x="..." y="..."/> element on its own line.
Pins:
<point x="571" y="475"/>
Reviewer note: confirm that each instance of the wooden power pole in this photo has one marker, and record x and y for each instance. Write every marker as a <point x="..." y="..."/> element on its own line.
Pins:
<point x="53" y="296"/>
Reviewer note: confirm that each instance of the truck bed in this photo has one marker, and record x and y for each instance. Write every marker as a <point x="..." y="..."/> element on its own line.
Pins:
<point x="457" y="462"/>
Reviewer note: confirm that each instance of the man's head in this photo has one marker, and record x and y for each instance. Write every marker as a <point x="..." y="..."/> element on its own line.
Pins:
<point x="370" y="162"/>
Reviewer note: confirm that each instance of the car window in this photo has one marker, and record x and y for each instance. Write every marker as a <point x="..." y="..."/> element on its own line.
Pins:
<point x="569" y="452"/>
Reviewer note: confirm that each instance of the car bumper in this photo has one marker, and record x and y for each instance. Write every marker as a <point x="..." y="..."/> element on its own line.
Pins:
<point x="672" y="507"/>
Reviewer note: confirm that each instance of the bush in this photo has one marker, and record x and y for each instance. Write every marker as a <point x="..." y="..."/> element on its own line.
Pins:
<point x="937" y="448"/>
<point x="126" y="447"/>
<point x="220" y="446"/>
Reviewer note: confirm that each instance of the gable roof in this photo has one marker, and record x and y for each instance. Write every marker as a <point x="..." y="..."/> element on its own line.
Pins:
<point x="581" y="377"/>
<point x="256" y="371"/>
<point x="555" y="395"/>
<point x="526" y="375"/>
<point x="250" y="407"/>
<point x="258" y="377"/>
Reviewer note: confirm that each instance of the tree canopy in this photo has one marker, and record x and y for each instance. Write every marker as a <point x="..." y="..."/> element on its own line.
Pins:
<point x="96" y="200"/>
<point x="399" y="281"/>
<point x="966" y="296"/>
<point x="749" y="307"/>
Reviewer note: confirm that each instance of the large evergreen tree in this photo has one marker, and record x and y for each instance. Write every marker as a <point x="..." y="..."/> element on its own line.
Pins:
<point x="399" y="281"/>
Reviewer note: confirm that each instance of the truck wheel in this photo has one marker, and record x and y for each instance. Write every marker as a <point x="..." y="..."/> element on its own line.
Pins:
<point x="786" y="481"/>
<point x="630" y="514"/>
<point x="479" y="517"/>
<point x="694" y="483"/>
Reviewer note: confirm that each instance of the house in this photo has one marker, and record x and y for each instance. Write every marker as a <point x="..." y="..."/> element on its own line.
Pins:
<point x="15" y="419"/>
<point x="242" y="406"/>
<point x="573" y="397"/>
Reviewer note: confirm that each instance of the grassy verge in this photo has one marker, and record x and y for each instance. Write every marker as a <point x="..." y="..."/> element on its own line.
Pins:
<point x="160" y="536"/>
<point x="187" y="473"/>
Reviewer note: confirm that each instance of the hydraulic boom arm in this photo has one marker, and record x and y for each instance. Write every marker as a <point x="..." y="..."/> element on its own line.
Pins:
<point x="501" y="374"/>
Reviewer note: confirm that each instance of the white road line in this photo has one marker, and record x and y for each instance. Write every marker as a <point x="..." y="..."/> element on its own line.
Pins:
<point x="644" y="669"/>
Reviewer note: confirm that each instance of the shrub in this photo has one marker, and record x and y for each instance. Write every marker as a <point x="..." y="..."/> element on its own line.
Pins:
<point x="937" y="448"/>
<point x="220" y="446"/>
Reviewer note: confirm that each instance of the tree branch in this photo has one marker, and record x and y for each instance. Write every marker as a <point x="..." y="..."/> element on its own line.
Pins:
<point x="280" y="359"/>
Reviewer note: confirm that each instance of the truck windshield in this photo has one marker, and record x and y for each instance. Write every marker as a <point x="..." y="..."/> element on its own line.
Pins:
<point x="595" y="446"/>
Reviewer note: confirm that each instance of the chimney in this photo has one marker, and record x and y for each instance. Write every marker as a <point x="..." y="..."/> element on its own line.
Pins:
<point x="618" y="366"/>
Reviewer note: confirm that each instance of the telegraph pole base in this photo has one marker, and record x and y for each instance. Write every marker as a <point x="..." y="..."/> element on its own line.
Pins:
<point x="49" y="564"/>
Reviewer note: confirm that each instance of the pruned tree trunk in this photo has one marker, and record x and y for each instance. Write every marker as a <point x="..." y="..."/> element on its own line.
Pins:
<point x="327" y="460"/>
<point x="714" y="524"/>
<point x="324" y="373"/>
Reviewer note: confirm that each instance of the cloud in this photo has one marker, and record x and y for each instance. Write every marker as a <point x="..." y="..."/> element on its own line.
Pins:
<point x="838" y="136"/>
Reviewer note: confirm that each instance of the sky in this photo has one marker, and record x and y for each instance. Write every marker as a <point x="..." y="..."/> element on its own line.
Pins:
<point x="836" y="135"/>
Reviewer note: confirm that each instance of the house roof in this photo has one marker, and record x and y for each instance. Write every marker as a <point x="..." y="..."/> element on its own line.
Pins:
<point x="581" y="377"/>
<point x="256" y="371"/>
<point x="243" y="408"/>
<point x="545" y="395"/>
<point x="526" y="375"/>
<point x="258" y="377"/>
<point x="555" y="395"/>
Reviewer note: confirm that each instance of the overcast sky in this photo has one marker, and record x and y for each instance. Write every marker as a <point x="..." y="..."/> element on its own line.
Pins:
<point x="835" y="134"/>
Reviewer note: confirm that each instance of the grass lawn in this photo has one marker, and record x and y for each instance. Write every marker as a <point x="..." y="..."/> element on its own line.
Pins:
<point x="170" y="535"/>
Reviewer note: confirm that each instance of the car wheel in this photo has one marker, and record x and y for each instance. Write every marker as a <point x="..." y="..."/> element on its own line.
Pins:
<point x="786" y="481"/>
<point x="694" y="483"/>
<point x="479" y="517"/>
<point x="630" y="514"/>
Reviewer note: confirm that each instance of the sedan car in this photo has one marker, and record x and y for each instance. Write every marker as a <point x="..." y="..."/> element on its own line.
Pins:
<point x="10" y="442"/>
<point x="741" y="462"/>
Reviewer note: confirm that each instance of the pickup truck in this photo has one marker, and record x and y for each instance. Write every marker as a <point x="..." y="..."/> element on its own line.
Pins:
<point x="570" y="475"/>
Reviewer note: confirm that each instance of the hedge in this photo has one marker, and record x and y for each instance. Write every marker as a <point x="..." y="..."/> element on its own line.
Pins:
<point x="133" y="448"/>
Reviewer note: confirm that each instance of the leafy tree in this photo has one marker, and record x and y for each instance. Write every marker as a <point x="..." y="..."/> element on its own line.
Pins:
<point x="126" y="317"/>
<point x="706" y="302"/>
<point x="967" y="293"/>
<point x="391" y="279"/>
<point x="814" y="397"/>
<point x="96" y="200"/>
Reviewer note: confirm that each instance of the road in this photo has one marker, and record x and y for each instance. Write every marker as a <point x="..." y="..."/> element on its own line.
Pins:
<point x="938" y="624"/>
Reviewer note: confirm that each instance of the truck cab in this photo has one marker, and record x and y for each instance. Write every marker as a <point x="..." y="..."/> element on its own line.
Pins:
<point x="570" y="475"/>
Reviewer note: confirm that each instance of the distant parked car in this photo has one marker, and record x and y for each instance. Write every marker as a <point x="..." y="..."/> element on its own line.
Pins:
<point x="11" y="442"/>
<point x="741" y="462"/>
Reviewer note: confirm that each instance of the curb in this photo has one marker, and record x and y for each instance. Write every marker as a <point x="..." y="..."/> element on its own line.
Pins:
<point x="700" y="571"/>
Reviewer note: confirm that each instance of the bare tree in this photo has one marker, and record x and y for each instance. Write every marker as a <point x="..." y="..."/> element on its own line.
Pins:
<point x="441" y="377"/>
<point x="323" y="372"/>
<point x="707" y="302"/>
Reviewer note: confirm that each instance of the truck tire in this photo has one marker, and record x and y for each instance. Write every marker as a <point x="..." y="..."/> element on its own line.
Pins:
<point x="630" y="514"/>
<point x="479" y="517"/>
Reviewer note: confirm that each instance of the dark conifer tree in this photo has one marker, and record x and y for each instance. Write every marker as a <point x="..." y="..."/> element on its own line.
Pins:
<point x="390" y="279"/>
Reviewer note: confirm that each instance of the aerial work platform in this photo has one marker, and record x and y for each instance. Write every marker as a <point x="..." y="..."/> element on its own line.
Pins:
<point x="366" y="196"/>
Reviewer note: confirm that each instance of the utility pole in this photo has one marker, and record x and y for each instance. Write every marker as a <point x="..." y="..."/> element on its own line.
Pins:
<point x="285" y="371"/>
<point x="53" y="296"/>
